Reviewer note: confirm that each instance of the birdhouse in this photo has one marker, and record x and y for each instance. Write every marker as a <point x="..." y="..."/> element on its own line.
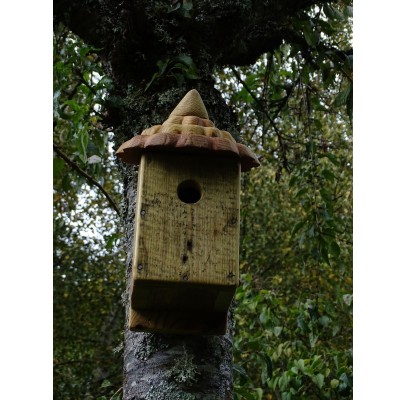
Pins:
<point x="185" y="261"/>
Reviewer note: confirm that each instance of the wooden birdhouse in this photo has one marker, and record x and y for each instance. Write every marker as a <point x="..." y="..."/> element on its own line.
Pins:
<point x="185" y="261"/>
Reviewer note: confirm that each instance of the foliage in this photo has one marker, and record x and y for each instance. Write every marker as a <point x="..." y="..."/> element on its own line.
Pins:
<point x="79" y="90"/>
<point x="181" y="67"/>
<point x="292" y="346"/>
<point x="293" y="331"/>
<point x="88" y="273"/>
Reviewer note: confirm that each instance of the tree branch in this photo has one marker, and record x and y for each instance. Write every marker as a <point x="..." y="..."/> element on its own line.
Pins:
<point x="271" y="121"/>
<point x="91" y="180"/>
<point x="118" y="391"/>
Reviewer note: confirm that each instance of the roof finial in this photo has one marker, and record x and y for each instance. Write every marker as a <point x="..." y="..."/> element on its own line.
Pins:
<point x="191" y="104"/>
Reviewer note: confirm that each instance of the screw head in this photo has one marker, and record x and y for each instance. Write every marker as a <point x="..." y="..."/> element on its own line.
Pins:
<point x="140" y="267"/>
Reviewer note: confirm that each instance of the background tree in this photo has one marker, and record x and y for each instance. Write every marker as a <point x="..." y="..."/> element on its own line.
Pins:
<point x="289" y="83"/>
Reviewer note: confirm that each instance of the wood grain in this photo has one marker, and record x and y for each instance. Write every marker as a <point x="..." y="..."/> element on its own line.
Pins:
<point x="187" y="130"/>
<point x="132" y="150"/>
<point x="185" y="255"/>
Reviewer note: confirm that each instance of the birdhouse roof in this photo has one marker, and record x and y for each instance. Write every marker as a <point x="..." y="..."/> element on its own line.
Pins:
<point x="188" y="129"/>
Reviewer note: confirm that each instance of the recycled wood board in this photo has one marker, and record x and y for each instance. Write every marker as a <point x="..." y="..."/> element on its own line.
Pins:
<point x="185" y="254"/>
<point x="179" y="322"/>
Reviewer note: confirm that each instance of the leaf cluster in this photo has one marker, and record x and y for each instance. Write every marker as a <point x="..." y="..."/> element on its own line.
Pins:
<point x="293" y="323"/>
<point x="79" y="92"/>
<point x="88" y="273"/>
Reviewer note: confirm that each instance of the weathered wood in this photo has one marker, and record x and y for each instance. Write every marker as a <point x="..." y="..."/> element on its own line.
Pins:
<point x="186" y="252"/>
<point x="187" y="142"/>
<point x="187" y="130"/>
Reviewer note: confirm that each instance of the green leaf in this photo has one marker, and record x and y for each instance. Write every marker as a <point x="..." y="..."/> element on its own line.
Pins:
<point x="58" y="166"/>
<point x="327" y="174"/>
<point x="162" y="65"/>
<point x="269" y="364"/>
<point x="332" y="12"/>
<point x="324" y="320"/>
<point x="310" y="232"/>
<point x="174" y="8"/>
<point x="326" y="195"/>
<point x="348" y="11"/>
<point x="313" y="339"/>
<point x="105" y="383"/>
<point x="344" y="381"/>
<point x="293" y="180"/>
<point x="263" y="317"/>
<point x="342" y="97"/>
<point x="244" y="393"/>
<point x="310" y="147"/>
<point x="319" y="380"/>
<point x="297" y="227"/>
<point x="187" y="5"/>
<point x="81" y="144"/>
<point x="295" y="370"/>
<point x="240" y="370"/>
<point x="334" y="383"/>
<point x="324" y="254"/>
<point x="66" y="183"/>
<point x="349" y="104"/>
<point x="277" y="330"/>
<point x="301" y="192"/>
<point x="184" y="59"/>
<point x="330" y="157"/>
<point x="254" y="344"/>
<point x="334" y="249"/>
<point x="311" y="36"/>
<point x="110" y="242"/>
<point x="301" y="365"/>
<point x="191" y="75"/>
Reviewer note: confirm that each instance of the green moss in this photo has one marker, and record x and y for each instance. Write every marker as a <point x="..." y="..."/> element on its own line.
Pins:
<point x="167" y="391"/>
<point x="184" y="371"/>
<point x="148" y="345"/>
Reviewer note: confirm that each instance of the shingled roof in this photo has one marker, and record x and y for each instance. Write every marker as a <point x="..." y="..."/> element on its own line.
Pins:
<point x="188" y="129"/>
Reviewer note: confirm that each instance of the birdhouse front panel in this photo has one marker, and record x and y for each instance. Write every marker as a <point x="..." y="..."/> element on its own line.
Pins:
<point x="187" y="232"/>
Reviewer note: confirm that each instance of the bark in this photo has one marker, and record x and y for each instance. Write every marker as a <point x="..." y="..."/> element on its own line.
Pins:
<point x="132" y="37"/>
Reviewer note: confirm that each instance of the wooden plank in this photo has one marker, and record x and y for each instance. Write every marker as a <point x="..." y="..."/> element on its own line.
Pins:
<point x="163" y="295"/>
<point x="178" y="322"/>
<point x="182" y="249"/>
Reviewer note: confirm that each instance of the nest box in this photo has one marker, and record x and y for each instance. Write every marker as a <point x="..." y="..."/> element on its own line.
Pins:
<point x="185" y="261"/>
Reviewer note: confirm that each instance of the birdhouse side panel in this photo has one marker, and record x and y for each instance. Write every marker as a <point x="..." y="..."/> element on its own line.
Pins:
<point x="187" y="219"/>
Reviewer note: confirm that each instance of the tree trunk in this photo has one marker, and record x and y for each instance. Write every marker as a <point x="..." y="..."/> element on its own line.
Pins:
<point x="173" y="366"/>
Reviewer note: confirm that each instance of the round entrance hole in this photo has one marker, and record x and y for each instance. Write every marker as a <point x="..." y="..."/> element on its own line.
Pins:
<point x="189" y="191"/>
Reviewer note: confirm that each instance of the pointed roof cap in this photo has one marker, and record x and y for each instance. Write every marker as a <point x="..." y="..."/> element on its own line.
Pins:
<point x="188" y="129"/>
<point x="191" y="104"/>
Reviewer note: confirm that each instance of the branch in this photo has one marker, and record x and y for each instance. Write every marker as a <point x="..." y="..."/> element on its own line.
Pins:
<point x="91" y="180"/>
<point x="56" y="365"/>
<point x="271" y="121"/>
<point x="118" y="391"/>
